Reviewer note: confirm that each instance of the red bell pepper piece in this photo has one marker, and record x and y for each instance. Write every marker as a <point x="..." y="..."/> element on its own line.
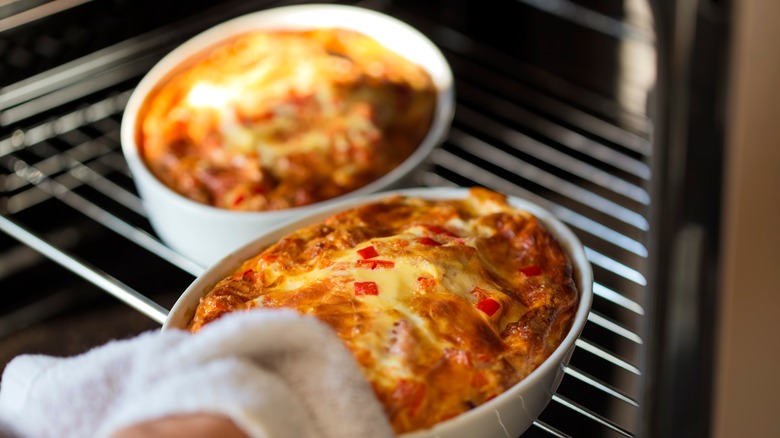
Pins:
<point x="428" y="241"/>
<point x="489" y="306"/>
<point x="373" y="264"/>
<point x="368" y="252"/>
<point x="366" y="288"/>
<point x="530" y="271"/>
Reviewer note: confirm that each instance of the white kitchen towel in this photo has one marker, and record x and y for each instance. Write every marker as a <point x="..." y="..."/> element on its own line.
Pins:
<point x="274" y="372"/>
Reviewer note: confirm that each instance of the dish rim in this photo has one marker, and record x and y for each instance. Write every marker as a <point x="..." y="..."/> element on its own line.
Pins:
<point x="288" y="17"/>
<point x="582" y="270"/>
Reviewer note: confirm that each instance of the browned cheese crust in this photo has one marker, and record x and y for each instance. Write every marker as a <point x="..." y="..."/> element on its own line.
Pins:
<point x="273" y="120"/>
<point x="445" y="304"/>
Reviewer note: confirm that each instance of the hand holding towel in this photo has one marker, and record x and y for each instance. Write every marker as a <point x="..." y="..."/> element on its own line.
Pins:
<point x="275" y="373"/>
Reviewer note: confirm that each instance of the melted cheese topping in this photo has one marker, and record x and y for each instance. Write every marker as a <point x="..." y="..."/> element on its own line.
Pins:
<point x="444" y="303"/>
<point x="272" y="120"/>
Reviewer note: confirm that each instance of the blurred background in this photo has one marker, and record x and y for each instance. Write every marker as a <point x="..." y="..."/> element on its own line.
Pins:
<point x="647" y="126"/>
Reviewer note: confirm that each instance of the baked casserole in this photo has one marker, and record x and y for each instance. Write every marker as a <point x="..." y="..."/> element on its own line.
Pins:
<point x="277" y="119"/>
<point x="444" y="303"/>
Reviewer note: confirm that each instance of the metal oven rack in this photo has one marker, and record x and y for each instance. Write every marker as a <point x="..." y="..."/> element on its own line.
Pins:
<point x="525" y="124"/>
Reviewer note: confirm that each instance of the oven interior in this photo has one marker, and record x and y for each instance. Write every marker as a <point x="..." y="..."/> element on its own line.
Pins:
<point x="552" y="99"/>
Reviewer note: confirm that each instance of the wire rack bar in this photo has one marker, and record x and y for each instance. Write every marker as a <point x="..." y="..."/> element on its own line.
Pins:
<point x="133" y="298"/>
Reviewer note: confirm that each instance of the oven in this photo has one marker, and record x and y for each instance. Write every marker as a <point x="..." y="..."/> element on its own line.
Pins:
<point x="585" y="107"/>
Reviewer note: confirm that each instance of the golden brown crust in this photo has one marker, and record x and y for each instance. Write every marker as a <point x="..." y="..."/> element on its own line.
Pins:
<point x="471" y="296"/>
<point x="272" y="120"/>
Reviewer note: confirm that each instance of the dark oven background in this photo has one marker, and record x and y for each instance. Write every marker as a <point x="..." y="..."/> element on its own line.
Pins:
<point x="551" y="106"/>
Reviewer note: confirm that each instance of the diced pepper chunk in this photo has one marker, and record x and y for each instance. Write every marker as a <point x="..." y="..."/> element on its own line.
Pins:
<point x="428" y="241"/>
<point x="531" y="271"/>
<point x="489" y="306"/>
<point x="366" y="288"/>
<point x="373" y="264"/>
<point x="368" y="252"/>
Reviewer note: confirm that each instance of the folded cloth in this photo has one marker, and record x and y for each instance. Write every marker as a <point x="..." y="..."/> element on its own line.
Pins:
<point x="275" y="373"/>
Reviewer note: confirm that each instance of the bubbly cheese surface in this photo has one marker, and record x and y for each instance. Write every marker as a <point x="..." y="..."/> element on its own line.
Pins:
<point x="445" y="304"/>
<point x="272" y="120"/>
